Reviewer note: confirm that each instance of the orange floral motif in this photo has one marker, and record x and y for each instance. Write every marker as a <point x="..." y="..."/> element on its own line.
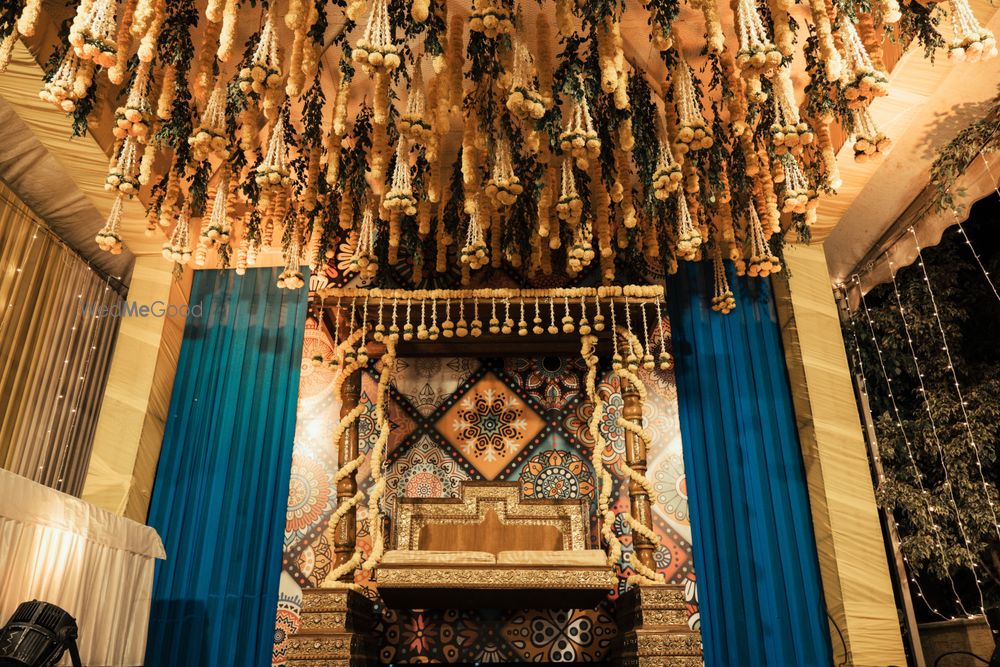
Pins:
<point x="490" y="425"/>
<point x="556" y="474"/>
<point x="419" y="635"/>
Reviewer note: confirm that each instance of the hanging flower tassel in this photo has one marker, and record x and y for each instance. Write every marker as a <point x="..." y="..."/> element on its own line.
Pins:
<point x="93" y="37"/>
<point x="211" y="138"/>
<point x="869" y="142"/>
<point x="570" y="206"/>
<point x="788" y="132"/>
<point x="723" y="301"/>
<point x="291" y="277"/>
<point x="218" y="229"/>
<point x="581" y="251"/>
<point x="415" y="123"/>
<point x="70" y="82"/>
<point x="762" y="262"/>
<point x="475" y="253"/>
<point x="693" y="133"/>
<point x="972" y="41"/>
<point x="503" y="185"/>
<point x="178" y="248"/>
<point x="796" y="195"/>
<point x="136" y="117"/>
<point x="758" y="55"/>
<point x="109" y="239"/>
<point x="490" y="18"/>
<point x="364" y="260"/>
<point x="524" y="101"/>
<point x="688" y="236"/>
<point x="863" y="81"/>
<point x="579" y="138"/>
<point x="123" y="175"/>
<point x="376" y="49"/>
<point x="272" y="175"/>
<point x="667" y="177"/>
<point x="399" y="199"/>
<point x="263" y="74"/>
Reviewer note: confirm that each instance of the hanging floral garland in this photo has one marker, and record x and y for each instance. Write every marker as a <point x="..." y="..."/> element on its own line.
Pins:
<point x="568" y="161"/>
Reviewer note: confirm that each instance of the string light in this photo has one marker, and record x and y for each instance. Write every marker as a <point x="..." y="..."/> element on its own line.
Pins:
<point x="954" y="377"/>
<point x="979" y="262"/>
<point x="917" y="475"/>
<point x="61" y="383"/>
<point x="996" y="186"/>
<point x="17" y="282"/>
<point x="73" y="377"/>
<point x="108" y="295"/>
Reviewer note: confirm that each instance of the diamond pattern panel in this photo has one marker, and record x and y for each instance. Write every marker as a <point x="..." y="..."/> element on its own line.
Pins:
<point x="489" y="425"/>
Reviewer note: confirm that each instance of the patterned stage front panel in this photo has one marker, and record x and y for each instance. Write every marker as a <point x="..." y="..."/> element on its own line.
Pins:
<point x="455" y="419"/>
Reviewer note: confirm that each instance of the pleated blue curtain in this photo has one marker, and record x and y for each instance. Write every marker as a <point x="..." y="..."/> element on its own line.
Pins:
<point x="755" y="555"/>
<point x="222" y="482"/>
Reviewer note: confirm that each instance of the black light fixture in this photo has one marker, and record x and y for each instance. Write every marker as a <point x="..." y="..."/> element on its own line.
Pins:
<point x="37" y="635"/>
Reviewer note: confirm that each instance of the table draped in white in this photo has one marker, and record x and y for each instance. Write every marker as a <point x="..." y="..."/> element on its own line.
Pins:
<point x="96" y="565"/>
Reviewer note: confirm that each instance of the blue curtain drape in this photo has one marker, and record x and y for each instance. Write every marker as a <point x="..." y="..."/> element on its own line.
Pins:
<point x="758" y="575"/>
<point x="222" y="481"/>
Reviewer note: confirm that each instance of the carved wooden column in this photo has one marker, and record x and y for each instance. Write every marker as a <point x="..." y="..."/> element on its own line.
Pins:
<point x="653" y="629"/>
<point x="347" y="450"/>
<point x="635" y="456"/>
<point x="336" y="630"/>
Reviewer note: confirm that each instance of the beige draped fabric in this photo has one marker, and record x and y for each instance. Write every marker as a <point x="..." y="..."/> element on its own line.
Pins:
<point x="54" y="355"/>
<point x="856" y="585"/>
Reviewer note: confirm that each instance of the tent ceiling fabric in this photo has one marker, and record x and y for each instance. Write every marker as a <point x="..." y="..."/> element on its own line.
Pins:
<point x="42" y="183"/>
<point x="61" y="180"/>
<point x="928" y="104"/>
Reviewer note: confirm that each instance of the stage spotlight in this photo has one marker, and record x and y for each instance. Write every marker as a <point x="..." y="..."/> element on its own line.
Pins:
<point x="37" y="635"/>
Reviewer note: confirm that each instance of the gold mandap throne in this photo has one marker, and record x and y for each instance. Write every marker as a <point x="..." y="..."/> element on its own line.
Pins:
<point x="490" y="548"/>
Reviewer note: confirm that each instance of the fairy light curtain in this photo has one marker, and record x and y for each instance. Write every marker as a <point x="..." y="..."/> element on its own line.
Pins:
<point x="222" y="482"/>
<point x="54" y="357"/>
<point x="921" y="358"/>
<point x="760" y="589"/>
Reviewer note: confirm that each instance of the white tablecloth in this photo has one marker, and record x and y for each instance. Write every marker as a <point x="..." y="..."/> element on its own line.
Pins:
<point x="96" y="565"/>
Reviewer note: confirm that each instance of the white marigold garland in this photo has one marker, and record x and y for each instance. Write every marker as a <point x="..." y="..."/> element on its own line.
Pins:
<point x="379" y="451"/>
<point x="972" y="41"/>
<point x="605" y="482"/>
<point x="347" y="369"/>
<point x="628" y="373"/>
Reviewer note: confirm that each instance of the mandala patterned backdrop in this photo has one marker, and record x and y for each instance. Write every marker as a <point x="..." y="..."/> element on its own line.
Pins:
<point x="457" y="419"/>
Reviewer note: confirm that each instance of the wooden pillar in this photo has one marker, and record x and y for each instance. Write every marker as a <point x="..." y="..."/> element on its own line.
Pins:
<point x="635" y="456"/>
<point x="347" y="450"/>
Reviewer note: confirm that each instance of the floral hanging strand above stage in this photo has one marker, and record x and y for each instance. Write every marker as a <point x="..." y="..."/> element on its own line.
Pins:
<point x="473" y="146"/>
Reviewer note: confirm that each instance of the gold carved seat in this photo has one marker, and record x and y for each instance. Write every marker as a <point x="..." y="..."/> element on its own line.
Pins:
<point x="491" y="549"/>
